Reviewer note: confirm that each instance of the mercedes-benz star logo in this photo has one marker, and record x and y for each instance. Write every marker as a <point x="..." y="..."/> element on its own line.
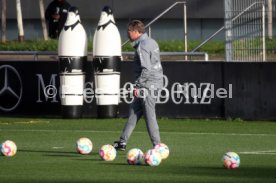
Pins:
<point x="10" y="88"/>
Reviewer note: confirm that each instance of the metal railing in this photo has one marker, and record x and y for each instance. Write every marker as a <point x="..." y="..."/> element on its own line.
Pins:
<point x="185" y="53"/>
<point x="222" y="28"/>
<point x="163" y="13"/>
<point x="35" y="54"/>
<point x="245" y="36"/>
<point x="173" y="55"/>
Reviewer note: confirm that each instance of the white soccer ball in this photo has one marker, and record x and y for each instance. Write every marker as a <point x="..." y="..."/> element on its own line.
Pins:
<point x="231" y="160"/>
<point x="152" y="157"/>
<point x="84" y="145"/>
<point x="8" y="148"/>
<point x="107" y="152"/>
<point x="135" y="156"/>
<point x="163" y="149"/>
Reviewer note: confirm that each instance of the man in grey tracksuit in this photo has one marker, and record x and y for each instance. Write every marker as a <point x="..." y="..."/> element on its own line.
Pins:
<point x="149" y="79"/>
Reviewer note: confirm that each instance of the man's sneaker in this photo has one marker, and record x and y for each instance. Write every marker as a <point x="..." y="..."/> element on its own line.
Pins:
<point x="121" y="146"/>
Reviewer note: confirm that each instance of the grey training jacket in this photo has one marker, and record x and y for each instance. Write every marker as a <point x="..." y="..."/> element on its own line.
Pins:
<point x="147" y="65"/>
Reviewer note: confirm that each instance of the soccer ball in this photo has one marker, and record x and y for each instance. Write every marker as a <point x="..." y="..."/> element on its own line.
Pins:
<point x="163" y="150"/>
<point x="135" y="156"/>
<point x="152" y="157"/>
<point x="107" y="152"/>
<point x="231" y="160"/>
<point x="84" y="145"/>
<point x="8" y="148"/>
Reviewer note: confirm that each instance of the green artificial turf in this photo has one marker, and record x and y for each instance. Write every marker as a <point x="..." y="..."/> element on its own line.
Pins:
<point x="46" y="151"/>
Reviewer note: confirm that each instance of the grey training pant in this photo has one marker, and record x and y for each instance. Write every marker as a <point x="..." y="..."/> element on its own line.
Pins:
<point x="142" y="106"/>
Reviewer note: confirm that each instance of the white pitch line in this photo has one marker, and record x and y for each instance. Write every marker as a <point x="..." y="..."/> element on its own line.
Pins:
<point x="107" y="131"/>
<point x="270" y="152"/>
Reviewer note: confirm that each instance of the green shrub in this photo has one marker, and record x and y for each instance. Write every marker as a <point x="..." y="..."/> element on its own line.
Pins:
<point x="212" y="47"/>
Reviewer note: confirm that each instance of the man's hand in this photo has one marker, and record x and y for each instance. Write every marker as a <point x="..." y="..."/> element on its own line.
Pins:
<point x="136" y="92"/>
<point x="56" y="16"/>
